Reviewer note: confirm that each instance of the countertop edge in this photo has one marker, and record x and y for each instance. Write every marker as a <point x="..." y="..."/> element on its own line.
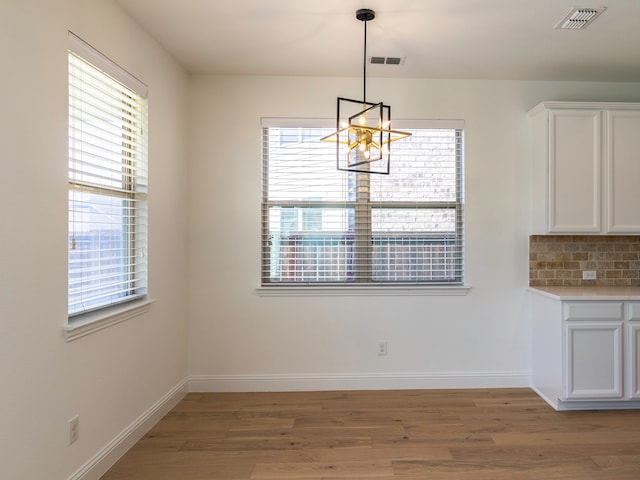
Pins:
<point x="589" y="293"/>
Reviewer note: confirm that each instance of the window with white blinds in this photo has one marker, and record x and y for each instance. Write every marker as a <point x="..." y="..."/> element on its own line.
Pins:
<point x="321" y="226"/>
<point x="107" y="182"/>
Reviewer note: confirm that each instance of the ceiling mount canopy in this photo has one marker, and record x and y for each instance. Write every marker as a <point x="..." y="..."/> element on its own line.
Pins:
<point x="365" y="14"/>
<point x="363" y="129"/>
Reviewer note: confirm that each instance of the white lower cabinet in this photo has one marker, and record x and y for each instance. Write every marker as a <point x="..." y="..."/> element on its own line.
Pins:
<point x="586" y="354"/>
<point x="593" y="368"/>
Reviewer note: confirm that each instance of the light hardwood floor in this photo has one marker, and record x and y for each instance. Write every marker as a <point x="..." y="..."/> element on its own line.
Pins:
<point x="496" y="434"/>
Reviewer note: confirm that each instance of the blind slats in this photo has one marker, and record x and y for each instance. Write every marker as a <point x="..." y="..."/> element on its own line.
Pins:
<point x="107" y="189"/>
<point x="321" y="225"/>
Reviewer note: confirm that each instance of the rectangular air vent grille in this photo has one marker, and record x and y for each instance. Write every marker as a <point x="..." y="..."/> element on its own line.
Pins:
<point x="386" y="60"/>
<point x="579" y="17"/>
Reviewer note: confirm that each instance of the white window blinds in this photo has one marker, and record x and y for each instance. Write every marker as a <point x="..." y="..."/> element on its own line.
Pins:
<point x="323" y="226"/>
<point x="107" y="183"/>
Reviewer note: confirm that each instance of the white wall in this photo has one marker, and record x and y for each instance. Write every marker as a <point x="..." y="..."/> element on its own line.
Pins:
<point x="114" y="376"/>
<point x="240" y="340"/>
<point x="237" y="339"/>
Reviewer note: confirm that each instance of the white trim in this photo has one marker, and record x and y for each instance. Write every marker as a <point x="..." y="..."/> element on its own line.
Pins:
<point x="101" y="319"/>
<point x="107" y="456"/>
<point x="101" y="61"/>
<point x="377" y="291"/>
<point x="565" y="405"/>
<point x="598" y="405"/>
<point x="357" y="381"/>
<point x="583" y="105"/>
<point x="406" y="123"/>
<point x="544" y="397"/>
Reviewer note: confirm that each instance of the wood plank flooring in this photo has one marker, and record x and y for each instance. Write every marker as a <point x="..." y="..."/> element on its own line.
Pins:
<point x="497" y="434"/>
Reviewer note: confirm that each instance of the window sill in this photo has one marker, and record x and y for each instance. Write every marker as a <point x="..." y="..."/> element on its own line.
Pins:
<point x="346" y="291"/>
<point x="96" y="321"/>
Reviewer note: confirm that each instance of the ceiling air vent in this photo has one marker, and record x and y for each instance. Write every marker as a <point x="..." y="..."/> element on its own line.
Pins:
<point x="579" y="17"/>
<point x="386" y="60"/>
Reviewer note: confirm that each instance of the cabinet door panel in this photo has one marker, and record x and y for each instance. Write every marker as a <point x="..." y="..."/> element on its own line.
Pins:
<point x="633" y="346"/>
<point x="593" y="362"/>
<point x="623" y="171"/>
<point x="575" y="152"/>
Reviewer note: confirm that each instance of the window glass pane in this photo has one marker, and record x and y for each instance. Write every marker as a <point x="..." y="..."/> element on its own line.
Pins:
<point x="418" y="220"/>
<point x="104" y="121"/>
<point x="417" y="244"/>
<point x="100" y="267"/>
<point x="415" y="258"/>
<point x="424" y="168"/>
<point x="310" y="244"/>
<point x="302" y="167"/>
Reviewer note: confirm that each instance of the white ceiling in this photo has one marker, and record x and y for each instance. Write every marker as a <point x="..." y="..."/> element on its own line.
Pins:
<point x="482" y="39"/>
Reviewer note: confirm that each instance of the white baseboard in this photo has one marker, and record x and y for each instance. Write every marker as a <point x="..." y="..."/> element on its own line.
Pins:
<point x="546" y="398"/>
<point x="566" y="405"/>
<point x="364" y="381"/>
<point x="107" y="456"/>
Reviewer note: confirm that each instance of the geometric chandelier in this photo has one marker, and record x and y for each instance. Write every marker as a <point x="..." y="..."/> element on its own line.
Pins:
<point x="363" y="129"/>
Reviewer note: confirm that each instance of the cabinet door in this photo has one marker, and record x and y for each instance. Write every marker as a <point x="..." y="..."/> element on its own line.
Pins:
<point x="575" y="152"/>
<point x="593" y="360"/>
<point x="633" y="347"/>
<point x="622" y="161"/>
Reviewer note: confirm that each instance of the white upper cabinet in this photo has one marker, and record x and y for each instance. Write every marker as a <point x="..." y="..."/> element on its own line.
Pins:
<point x="586" y="169"/>
<point x="622" y="160"/>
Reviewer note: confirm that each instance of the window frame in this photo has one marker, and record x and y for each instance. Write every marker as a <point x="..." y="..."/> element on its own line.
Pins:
<point x="132" y="194"/>
<point x="369" y="286"/>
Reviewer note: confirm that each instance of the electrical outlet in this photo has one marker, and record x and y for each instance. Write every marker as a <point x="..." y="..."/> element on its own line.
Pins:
<point x="589" y="275"/>
<point x="74" y="429"/>
<point x="382" y="348"/>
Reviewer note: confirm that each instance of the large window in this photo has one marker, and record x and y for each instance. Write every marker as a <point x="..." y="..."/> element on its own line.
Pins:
<point x="321" y="226"/>
<point x="107" y="182"/>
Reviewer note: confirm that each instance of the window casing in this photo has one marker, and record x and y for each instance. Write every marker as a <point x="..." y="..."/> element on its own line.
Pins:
<point x="107" y="183"/>
<point x="321" y="226"/>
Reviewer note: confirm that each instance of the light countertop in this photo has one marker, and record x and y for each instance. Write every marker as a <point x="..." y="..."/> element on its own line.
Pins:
<point x="589" y="293"/>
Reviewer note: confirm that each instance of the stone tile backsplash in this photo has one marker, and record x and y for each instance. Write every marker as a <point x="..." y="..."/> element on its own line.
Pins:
<point x="559" y="260"/>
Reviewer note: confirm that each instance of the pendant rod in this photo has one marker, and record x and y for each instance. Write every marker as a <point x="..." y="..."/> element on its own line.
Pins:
<point x="364" y="63"/>
<point x="364" y="15"/>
